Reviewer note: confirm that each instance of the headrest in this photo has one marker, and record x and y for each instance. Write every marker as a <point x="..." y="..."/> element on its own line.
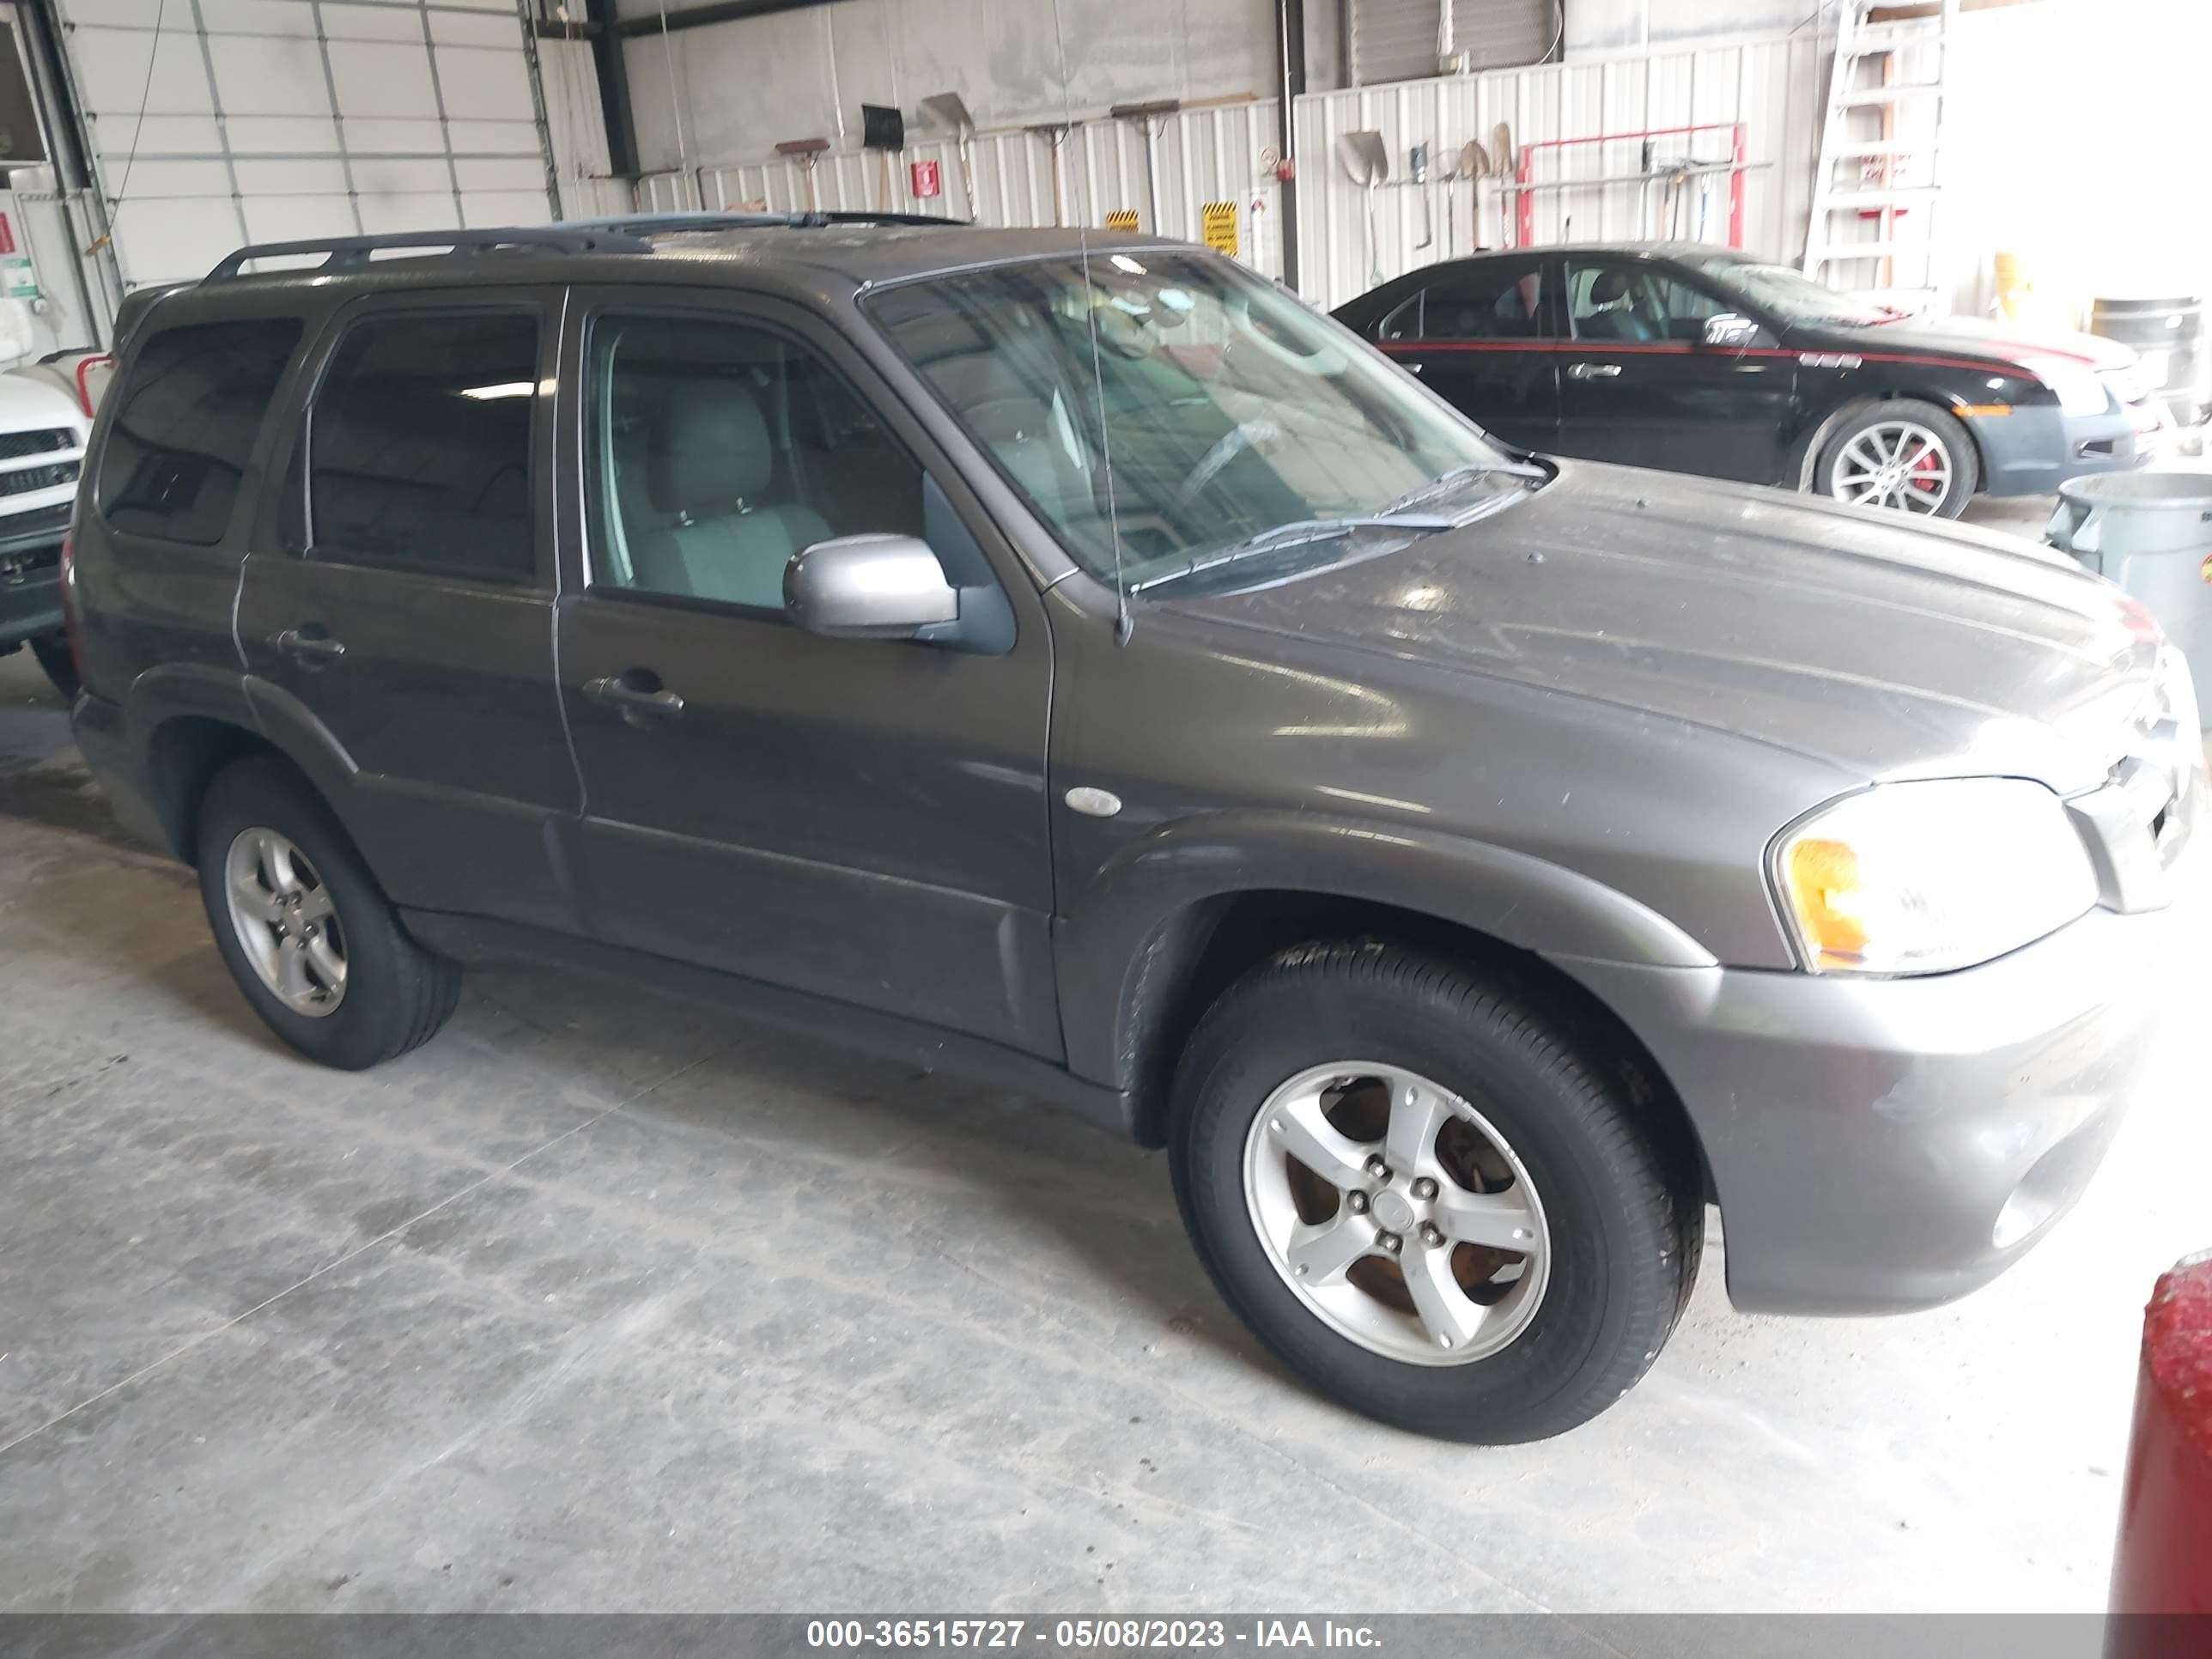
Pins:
<point x="1611" y="285"/>
<point x="711" y="449"/>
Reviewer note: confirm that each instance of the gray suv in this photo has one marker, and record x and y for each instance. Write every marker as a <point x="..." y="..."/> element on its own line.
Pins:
<point x="1079" y="664"/>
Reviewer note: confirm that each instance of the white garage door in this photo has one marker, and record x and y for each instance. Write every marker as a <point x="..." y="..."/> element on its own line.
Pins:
<point x="220" y="122"/>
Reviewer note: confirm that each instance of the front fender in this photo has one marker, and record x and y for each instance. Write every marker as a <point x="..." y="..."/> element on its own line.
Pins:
<point x="1120" y="936"/>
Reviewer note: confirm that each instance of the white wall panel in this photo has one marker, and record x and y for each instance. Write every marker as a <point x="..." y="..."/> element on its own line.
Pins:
<point x="277" y="119"/>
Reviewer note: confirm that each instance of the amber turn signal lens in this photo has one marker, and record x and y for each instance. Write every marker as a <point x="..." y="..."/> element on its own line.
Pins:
<point x="1824" y="880"/>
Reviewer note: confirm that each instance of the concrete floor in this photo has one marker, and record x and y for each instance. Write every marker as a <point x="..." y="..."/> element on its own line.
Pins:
<point x="598" y="1303"/>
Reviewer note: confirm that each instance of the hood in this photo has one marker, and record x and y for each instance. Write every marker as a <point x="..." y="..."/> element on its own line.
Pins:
<point x="1979" y="337"/>
<point x="1888" y="649"/>
<point x="29" y="404"/>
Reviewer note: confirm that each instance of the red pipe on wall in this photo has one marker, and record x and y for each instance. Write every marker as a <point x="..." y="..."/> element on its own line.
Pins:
<point x="2161" y="1593"/>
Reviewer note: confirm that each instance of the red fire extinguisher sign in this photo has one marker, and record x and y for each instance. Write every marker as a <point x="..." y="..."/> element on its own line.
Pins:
<point x="926" y="180"/>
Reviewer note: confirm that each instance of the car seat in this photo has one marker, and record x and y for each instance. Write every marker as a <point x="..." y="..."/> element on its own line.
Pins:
<point x="710" y="456"/>
<point x="1615" y="317"/>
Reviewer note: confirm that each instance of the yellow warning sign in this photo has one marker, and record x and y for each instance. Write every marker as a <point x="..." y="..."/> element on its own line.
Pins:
<point x="1220" y="219"/>
<point x="1121" y="219"/>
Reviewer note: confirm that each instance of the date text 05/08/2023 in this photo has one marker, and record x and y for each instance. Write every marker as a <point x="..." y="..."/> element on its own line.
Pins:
<point x="1111" y="1633"/>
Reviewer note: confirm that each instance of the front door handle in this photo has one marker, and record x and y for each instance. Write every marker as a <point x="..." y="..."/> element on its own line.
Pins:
<point x="1592" y="371"/>
<point x="310" y="647"/>
<point x="636" y="695"/>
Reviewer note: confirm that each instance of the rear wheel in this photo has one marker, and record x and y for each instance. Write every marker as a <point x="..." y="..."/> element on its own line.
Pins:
<point x="1427" y="1198"/>
<point x="304" y="928"/>
<point x="52" y="652"/>
<point x="1908" y="456"/>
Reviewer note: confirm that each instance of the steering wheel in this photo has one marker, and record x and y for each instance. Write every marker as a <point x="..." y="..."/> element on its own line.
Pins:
<point x="1245" y="434"/>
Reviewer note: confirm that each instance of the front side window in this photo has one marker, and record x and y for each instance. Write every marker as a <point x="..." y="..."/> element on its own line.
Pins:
<point x="1488" y="300"/>
<point x="722" y="448"/>
<point x="185" y="425"/>
<point x="1623" y="300"/>
<point x="418" y="446"/>
<point x="1215" y="411"/>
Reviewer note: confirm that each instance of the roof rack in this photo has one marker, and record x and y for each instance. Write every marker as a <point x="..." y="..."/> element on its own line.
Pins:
<point x="647" y="224"/>
<point x="344" y="252"/>
<point x="619" y="234"/>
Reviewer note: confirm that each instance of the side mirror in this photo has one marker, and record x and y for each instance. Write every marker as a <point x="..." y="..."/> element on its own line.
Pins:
<point x="869" y="587"/>
<point x="1730" y="332"/>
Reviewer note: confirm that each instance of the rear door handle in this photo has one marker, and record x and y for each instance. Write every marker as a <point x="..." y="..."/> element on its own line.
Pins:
<point x="638" y="703"/>
<point x="1592" y="371"/>
<point x="309" y="649"/>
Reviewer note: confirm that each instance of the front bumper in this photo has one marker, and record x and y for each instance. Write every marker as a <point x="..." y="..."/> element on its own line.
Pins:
<point x="2037" y="448"/>
<point x="30" y="573"/>
<point x="30" y="604"/>
<point x="1877" y="1146"/>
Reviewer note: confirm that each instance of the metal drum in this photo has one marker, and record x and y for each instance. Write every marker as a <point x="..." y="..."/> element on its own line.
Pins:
<point x="2168" y="333"/>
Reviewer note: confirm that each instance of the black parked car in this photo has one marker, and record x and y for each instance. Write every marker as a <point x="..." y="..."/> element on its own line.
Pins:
<point x="1703" y="359"/>
<point x="1088" y="668"/>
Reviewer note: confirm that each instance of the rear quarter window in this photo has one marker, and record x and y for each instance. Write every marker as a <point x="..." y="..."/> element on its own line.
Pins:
<point x="191" y="402"/>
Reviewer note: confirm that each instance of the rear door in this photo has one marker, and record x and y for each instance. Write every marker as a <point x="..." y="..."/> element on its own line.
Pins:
<point x="863" y="820"/>
<point x="1638" y="386"/>
<point x="1481" y="335"/>
<point x="396" y="607"/>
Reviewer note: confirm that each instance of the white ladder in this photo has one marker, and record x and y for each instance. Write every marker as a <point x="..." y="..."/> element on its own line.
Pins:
<point x="1878" y="190"/>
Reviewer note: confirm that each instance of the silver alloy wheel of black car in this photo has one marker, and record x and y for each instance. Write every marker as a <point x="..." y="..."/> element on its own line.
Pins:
<point x="1895" y="463"/>
<point x="285" y="921"/>
<point x="1426" y="1244"/>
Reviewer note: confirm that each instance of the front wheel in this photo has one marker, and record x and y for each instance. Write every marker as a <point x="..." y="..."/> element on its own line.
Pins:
<point x="1428" y="1203"/>
<point x="1910" y="456"/>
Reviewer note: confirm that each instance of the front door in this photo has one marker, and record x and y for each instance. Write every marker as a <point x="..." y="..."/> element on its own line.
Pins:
<point x="1478" y="335"/>
<point x="1639" y="386"/>
<point x="859" y="819"/>
<point x="395" y="610"/>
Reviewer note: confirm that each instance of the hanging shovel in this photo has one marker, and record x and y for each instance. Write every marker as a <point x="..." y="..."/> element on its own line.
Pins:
<point x="1368" y="163"/>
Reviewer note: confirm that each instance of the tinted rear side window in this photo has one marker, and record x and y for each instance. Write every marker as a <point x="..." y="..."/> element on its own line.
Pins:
<point x="185" y="424"/>
<point x="419" y="446"/>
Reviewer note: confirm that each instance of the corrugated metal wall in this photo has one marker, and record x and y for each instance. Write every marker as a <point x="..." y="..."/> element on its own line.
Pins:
<point x="1199" y="156"/>
<point x="1773" y="86"/>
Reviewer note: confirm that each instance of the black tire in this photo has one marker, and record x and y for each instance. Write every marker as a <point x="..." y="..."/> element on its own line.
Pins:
<point x="1622" y="1196"/>
<point x="54" y="654"/>
<point x="1956" y="442"/>
<point x="397" y="995"/>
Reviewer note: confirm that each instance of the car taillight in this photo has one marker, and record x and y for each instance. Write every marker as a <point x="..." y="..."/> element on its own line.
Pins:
<point x="70" y="623"/>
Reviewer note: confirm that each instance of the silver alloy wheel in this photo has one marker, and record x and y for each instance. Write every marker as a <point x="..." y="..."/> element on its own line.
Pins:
<point x="1396" y="1213"/>
<point x="281" y="914"/>
<point x="1896" y="464"/>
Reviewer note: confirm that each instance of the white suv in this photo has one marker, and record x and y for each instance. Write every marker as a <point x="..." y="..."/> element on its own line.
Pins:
<point x="42" y="435"/>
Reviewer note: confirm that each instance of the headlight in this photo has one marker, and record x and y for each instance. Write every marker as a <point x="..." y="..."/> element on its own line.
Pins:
<point x="1924" y="878"/>
<point x="2079" y="389"/>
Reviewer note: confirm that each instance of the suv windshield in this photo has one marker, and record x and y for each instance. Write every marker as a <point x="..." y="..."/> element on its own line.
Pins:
<point x="1791" y="295"/>
<point x="1227" y="416"/>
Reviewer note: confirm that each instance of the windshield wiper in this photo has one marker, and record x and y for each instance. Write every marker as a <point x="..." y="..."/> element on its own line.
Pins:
<point x="1299" y="533"/>
<point x="1459" y="474"/>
